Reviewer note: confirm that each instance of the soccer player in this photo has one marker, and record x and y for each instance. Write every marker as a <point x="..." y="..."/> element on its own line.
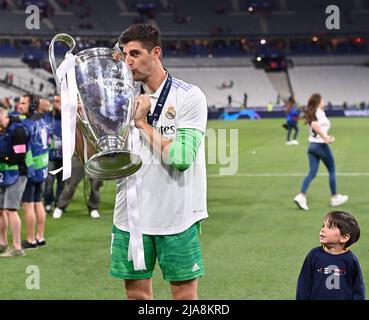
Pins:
<point x="168" y="193"/>
<point x="332" y="271"/>
<point x="319" y="149"/>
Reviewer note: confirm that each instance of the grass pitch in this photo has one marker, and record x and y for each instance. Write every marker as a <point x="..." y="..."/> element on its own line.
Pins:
<point x="255" y="240"/>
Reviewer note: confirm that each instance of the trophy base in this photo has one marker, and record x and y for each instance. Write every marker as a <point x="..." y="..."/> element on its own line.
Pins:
<point x="108" y="165"/>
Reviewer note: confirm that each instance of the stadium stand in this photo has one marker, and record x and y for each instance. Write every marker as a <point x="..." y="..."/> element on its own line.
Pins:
<point x="337" y="84"/>
<point x="28" y="80"/>
<point x="8" y="93"/>
<point x="179" y="18"/>
<point x="245" y="80"/>
<point x="216" y="42"/>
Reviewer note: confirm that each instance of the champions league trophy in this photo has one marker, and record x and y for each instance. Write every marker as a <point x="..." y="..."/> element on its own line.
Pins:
<point x="106" y="92"/>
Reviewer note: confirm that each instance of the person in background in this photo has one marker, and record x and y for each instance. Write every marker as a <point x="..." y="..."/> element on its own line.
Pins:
<point x="53" y="121"/>
<point x="245" y="97"/>
<point x="33" y="206"/>
<point x="292" y="121"/>
<point x="13" y="179"/>
<point x="319" y="149"/>
<point x="229" y="100"/>
<point x="70" y="186"/>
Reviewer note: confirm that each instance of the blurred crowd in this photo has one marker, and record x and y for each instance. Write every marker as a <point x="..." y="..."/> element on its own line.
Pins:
<point x="30" y="148"/>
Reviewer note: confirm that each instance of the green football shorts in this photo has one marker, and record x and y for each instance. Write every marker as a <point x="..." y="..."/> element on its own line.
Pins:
<point x="179" y="255"/>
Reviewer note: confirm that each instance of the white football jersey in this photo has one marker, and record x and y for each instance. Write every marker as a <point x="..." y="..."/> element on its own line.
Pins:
<point x="169" y="201"/>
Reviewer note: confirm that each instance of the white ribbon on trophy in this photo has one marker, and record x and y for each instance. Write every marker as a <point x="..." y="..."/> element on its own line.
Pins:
<point x="68" y="96"/>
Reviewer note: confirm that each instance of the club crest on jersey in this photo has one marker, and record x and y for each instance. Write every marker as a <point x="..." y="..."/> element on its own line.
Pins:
<point x="171" y="113"/>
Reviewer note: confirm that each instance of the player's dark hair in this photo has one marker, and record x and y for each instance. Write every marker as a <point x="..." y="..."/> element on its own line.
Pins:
<point x="147" y="34"/>
<point x="346" y="223"/>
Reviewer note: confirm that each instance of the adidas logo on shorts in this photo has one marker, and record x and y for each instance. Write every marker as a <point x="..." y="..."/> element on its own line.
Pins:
<point x="195" y="267"/>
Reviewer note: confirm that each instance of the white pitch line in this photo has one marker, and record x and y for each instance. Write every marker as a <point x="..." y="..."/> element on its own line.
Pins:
<point x="289" y="174"/>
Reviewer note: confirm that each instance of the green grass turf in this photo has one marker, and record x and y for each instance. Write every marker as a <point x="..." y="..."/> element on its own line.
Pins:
<point x="254" y="242"/>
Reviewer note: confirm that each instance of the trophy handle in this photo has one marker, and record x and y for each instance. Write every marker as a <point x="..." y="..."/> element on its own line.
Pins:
<point x="70" y="42"/>
<point x="117" y="47"/>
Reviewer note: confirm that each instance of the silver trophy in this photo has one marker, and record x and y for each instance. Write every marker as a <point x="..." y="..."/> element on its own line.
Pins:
<point x="106" y="92"/>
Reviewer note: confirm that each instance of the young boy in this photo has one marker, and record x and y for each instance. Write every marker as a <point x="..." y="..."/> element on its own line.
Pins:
<point x="332" y="271"/>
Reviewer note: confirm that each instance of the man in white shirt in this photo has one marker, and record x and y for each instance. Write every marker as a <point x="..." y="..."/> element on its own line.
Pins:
<point x="168" y="194"/>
